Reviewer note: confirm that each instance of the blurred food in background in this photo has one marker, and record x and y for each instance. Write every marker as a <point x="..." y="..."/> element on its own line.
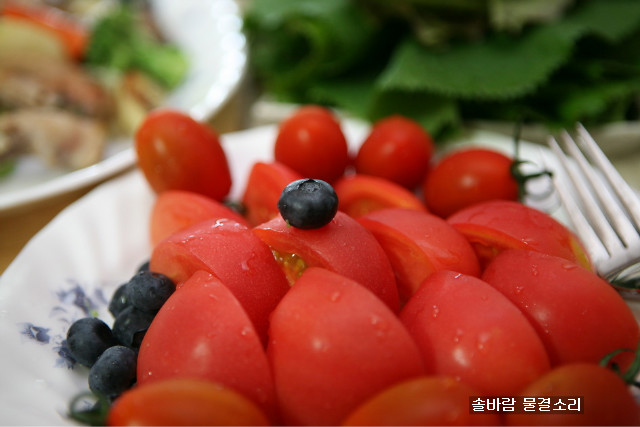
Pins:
<point x="75" y="73"/>
<point x="447" y="62"/>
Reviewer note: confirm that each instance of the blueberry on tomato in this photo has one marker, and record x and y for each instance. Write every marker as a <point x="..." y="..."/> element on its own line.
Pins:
<point x="308" y="203"/>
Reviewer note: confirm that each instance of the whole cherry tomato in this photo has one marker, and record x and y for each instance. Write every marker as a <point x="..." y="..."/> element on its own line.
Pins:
<point x="312" y="143"/>
<point x="468" y="176"/>
<point x="606" y="398"/>
<point x="176" y="152"/>
<point x="397" y="149"/>
<point x="186" y="402"/>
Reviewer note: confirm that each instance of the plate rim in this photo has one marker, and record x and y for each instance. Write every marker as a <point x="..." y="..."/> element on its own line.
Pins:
<point x="124" y="159"/>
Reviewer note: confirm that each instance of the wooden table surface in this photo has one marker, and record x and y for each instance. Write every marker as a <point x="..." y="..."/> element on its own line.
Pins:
<point x="18" y="226"/>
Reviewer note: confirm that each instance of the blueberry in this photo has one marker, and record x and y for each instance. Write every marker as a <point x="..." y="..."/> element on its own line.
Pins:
<point x="88" y="338"/>
<point x="113" y="372"/>
<point x="119" y="300"/>
<point x="308" y="203"/>
<point x="131" y="325"/>
<point x="147" y="291"/>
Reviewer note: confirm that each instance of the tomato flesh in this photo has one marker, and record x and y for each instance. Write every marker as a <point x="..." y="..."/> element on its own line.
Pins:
<point x="360" y="194"/>
<point x="184" y="402"/>
<point x="203" y="332"/>
<point x="423" y="401"/>
<point x="607" y="400"/>
<point x="566" y="304"/>
<point x="264" y="187"/>
<point x="343" y="246"/>
<point x="175" y="210"/>
<point x="467" y="329"/>
<point x="419" y="244"/>
<point x="332" y="345"/>
<point x="234" y="254"/>
<point x="496" y="225"/>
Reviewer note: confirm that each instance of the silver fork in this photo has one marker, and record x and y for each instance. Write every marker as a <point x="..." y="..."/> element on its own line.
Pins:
<point x="603" y="208"/>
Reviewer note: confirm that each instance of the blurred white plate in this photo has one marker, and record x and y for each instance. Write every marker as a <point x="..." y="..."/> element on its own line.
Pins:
<point x="210" y="34"/>
<point x="75" y="263"/>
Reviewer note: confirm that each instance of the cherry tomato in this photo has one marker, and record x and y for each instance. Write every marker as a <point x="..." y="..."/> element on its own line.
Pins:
<point x="175" y="152"/>
<point x="332" y="345"/>
<point x="233" y="253"/>
<point x="202" y="332"/>
<point x="468" y="176"/>
<point x="542" y="285"/>
<point x="264" y="187"/>
<point x="496" y="225"/>
<point x="184" y="402"/>
<point x="423" y="401"/>
<point x="175" y="210"/>
<point x="312" y="143"/>
<point x="397" y="149"/>
<point x="419" y="244"/>
<point x="606" y="399"/>
<point x="360" y="194"/>
<point x="343" y="246"/>
<point x="467" y="329"/>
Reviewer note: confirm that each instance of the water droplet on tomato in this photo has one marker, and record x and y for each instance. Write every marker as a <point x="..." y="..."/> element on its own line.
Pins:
<point x="335" y="296"/>
<point x="435" y="311"/>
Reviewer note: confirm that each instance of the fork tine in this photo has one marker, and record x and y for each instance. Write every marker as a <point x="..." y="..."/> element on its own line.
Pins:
<point x="627" y="195"/>
<point x="616" y="217"/>
<point x="580" y="222"/>
<point x="594" y="213"/>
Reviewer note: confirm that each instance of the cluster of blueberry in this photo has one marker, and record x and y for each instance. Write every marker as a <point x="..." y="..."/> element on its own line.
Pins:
<point x="110" y="353"/>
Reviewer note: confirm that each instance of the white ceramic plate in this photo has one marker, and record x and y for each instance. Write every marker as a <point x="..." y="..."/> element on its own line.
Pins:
<point x="76" y="262"/>
<point x="210" y="34"/>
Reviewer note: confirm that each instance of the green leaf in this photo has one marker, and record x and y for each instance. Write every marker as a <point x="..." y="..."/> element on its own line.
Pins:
<point x="610" y="19"/>
<point x="606" y="101"/>
<point x="496" y="68"/>
<point x="295" y="42"/>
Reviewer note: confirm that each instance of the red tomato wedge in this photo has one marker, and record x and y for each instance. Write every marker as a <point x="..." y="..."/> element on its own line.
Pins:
<point x="423" y="401"/>
<point x="496" y="225"/>
<point x="176" y="152"/>
<point x="235" y="255"/>
<point x="264" y="186"/>
<point x="467" y="329"/>
<point x="360" y="194"/>
<point x="578" y="315"/>
<point x="175" y="210"/>
<point x="73" y="34"/>
<point x="606" y="399"/>
<point x="333" y="344"/>
<point x="343" y="246"/>
<point x="184" y="402"/>
<point x="203" y="332"/>
<point x="419" y="244"/>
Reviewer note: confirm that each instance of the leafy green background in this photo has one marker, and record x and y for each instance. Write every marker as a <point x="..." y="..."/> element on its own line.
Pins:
<point x="443" y="63"/>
